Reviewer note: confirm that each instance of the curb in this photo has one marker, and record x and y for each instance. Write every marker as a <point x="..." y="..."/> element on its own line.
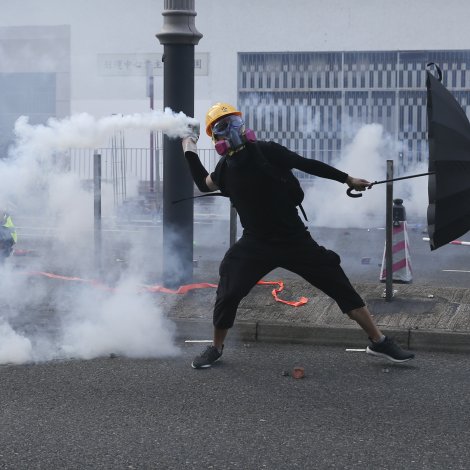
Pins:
<point x="443" y="341"/>
<point x="277" y="332"/>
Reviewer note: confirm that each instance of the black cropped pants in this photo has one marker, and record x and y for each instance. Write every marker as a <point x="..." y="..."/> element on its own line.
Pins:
<point x="250" y="259"/>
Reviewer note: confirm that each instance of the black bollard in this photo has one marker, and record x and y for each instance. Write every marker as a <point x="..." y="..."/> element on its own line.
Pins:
<point x="399" y="212"/>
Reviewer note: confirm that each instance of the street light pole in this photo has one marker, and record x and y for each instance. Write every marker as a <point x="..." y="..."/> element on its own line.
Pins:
<point x="178" y="36"/>
<point x="150" y="95"/>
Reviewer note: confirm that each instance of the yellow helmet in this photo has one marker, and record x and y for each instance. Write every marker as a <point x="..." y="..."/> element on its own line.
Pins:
<point x="218" y="111"/>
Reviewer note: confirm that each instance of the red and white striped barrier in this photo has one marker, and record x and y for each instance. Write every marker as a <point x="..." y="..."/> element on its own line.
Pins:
<point x="455" y="242"/>
<point x="401" y="266"/>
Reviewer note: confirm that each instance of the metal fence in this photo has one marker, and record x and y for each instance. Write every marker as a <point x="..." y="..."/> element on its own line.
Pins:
<point x="120" y="164"/>
<point x="114" y="161"/>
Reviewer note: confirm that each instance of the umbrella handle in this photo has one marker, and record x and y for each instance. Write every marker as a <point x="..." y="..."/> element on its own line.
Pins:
<point x="350" y="193"/>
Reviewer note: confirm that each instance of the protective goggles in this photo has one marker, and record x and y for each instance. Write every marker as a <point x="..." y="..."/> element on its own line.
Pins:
<point x="223" y="127"/>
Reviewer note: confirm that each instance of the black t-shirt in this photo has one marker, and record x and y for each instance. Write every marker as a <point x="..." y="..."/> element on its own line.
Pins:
<point x="265" y="208"/>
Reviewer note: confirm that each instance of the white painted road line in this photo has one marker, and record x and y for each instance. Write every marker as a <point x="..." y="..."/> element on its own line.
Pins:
<point x="455" y="271"/>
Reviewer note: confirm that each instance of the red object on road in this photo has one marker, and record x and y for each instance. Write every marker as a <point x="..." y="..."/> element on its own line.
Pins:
<point x="298" y="373"/>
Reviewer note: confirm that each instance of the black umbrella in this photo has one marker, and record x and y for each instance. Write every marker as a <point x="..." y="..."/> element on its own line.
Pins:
<point x="449" y="160"/>
<point x="449" y="164"/>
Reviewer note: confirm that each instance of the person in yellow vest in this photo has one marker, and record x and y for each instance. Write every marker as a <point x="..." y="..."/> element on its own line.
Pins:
<point x="8" y="236"/>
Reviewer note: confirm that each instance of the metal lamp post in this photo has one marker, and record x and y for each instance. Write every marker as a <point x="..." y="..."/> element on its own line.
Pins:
<point x="178" y="36"/>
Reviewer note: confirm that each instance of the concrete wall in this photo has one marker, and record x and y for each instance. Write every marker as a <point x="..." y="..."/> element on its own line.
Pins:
<point x="124" y="27"/>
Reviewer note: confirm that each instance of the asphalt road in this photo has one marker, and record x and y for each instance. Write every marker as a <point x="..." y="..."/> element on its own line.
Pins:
<point x="362" y="250"/>
<point x="351" y="411"/>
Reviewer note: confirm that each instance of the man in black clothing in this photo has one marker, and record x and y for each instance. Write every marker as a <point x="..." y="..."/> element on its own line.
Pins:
<point x="254" y="176"/>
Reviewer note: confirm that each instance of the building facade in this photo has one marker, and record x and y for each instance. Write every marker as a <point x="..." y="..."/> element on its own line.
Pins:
<point x="313" y="101"/>
<point x="304" y="72"/>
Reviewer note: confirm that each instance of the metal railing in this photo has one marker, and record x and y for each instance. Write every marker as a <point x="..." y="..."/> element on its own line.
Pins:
<point x="135" y="162"/>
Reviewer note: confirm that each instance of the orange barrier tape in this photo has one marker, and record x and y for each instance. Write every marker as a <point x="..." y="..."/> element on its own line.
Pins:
<point x="274" y="292"/>
<point x="68" y="278"/>
<point x="181" y="290"/>
<point x="17" y="252"/>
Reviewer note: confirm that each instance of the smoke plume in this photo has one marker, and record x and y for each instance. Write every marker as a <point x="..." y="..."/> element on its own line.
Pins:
<point x="365" y="157"/>
<point x="44" y="319"/>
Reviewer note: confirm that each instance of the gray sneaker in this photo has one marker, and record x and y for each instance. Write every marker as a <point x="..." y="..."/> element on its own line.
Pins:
<point x="389" y="350"/>
<point x="207" y="357"/>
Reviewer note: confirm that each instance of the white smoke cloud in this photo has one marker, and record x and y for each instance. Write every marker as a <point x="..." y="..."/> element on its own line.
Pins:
<point x="365" y="157"/>
<point x="122" y="323"/>
<point x="88" y="322"/>
<point x="84" y="130"/>
<point x="14" y="347"/>
<point x="82" y="323"/>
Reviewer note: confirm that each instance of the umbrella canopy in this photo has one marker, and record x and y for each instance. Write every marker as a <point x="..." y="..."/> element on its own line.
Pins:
<point x="449" y="162"/>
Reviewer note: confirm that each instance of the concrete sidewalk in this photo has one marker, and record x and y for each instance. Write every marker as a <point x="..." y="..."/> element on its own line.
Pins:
<point x="419" y="317"/>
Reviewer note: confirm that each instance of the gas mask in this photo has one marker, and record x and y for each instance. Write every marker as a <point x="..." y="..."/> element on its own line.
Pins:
<point x="229" y="134"/>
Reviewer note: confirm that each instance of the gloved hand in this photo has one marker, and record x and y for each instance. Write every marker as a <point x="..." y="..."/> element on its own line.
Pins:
<point x="189" y="141"/>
